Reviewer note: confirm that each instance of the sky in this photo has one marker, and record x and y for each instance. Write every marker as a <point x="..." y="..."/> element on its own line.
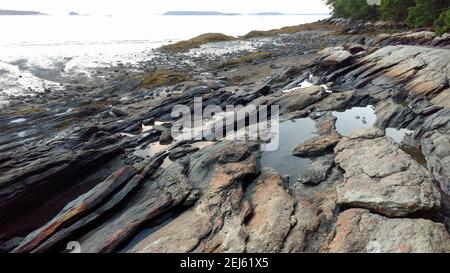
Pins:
<point x="128" y="7"/>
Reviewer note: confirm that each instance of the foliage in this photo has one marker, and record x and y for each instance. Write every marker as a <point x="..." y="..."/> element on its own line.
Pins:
<point x="442" y="24"/>
<point x="395" y="10"/>
<point x="354" y="9"/>
<point x="425" y="12"/>
<point x="416" y="13"/>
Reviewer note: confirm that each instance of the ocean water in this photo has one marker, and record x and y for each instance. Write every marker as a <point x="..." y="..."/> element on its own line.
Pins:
<point x="38" y="51"/>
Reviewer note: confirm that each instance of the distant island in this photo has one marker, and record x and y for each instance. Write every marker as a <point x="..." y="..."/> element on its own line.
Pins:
<point x="73" y="13"/>
<point x="201" y="13"/>
<point x="20" y="12"/>
<point x="271" y="13"/>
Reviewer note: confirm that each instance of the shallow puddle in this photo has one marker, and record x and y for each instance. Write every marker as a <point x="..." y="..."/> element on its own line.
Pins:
<point x="398" y="135"/>
<point x="354" y="119"/>
<point x="292" y="133"/>
<point x="404" y="139"/>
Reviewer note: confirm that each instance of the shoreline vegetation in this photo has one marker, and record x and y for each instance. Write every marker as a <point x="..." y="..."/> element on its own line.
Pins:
<point x="414" y="13"/>
<point x="186" y="45"/>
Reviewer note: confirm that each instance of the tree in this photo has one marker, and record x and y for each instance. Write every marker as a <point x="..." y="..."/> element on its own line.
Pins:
<point x="354" y="9"/>
<point x="395" y="10"/>
<point x="442" y="24"/>
<point x="426" y="12"/>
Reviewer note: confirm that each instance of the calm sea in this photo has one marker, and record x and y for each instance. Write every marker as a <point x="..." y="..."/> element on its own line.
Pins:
<point x="32" y="44"/>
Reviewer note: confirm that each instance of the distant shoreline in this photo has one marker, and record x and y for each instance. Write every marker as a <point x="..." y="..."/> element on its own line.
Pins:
<point x="19" y="13"/>
<point x="216" y="13"/>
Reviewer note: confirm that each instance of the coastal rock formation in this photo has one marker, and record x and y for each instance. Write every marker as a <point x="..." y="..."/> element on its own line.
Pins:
<point x="411" y="38"/>
<point x="300" y="98"/>
<point x="317" y="146"/>
<point x="358" y="230"/>
<point x="381" y="177"/>
<point x="98" y="164"/>
<point x="423" y="71"/>
<point x="334" y="56"/>
<point x="215" y="222"/>
<point x="318" y="171"/>
<point x="272" y="210"/>
<point x="435" y="140"/>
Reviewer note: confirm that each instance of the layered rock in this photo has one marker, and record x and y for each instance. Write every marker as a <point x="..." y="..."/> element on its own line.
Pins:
<point x="216" y="221"/>
<point x="421" y="70"/>
<point x="76" y="209"/>
<point x="411" y="38"/>
<point x="434" y="137"/>
<point x="300" y="98"/>
<point x="318" y="171"/>
<point x="272" y="210"/>
<point x="381" y="177"/>
<point x="317" y="146"/>
<point x="358" y="230"/>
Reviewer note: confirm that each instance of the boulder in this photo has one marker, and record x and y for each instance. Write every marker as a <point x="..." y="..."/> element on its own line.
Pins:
<point x="423" y="71"/>
<point x="333" y="56"/>
<point x="76" y="209"/>
<point x="300" y="98"/>
<point x="358" y="230"/>
<point x="272" y="210"/>
<point x="216" y="222"/>
<point x="317" y="146"/>
<point x="381" y="177"/>
<point x="318" y="171"/>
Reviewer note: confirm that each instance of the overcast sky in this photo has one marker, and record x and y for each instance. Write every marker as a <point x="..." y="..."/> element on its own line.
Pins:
<point x="126" y="7"/>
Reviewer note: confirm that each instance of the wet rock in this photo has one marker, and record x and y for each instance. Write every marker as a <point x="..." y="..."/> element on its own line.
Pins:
<point x="76" y="208"/>
<point x="300" y="98"/>
<point x="443" y="99"/>
<point x="358" y="230"/>
<point x="156" y="197"/>
<point x="381" y="177"/>
<point x="429" y="110"/>
<point x="165" y="137"/>
<point x="391" y="114"/>
<point x="148" y="122"/>
<point x="118" y="112"/>
<point x="423" y="71"/>
<point x="10" y="245"/>
<point x="436" y="148"/>
<point x="133" y="129"/>
<point x="326" y="124"/>
<point x="335" y="101"/>
<point x="216" y="221"/>
<point x="409" y="38"/>
<point x="318" y="171"/>
<point x="333" y="56"/>
<point x="245" y="96"/>
<point x="40" y="170"/>
<point x="182" y="151"/>
<point x="317" y="146"/>
<point x="354" y="48"/>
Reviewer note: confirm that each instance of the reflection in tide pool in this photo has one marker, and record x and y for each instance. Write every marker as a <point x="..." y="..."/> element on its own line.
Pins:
<point x="398" y="135"/>
<point x="355" y="119"/>
<point x="292" y="133"/>
<point x="403" y="137"/>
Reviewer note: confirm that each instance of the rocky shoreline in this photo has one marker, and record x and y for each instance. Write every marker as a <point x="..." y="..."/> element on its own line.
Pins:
<point x="95" y="163"/>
